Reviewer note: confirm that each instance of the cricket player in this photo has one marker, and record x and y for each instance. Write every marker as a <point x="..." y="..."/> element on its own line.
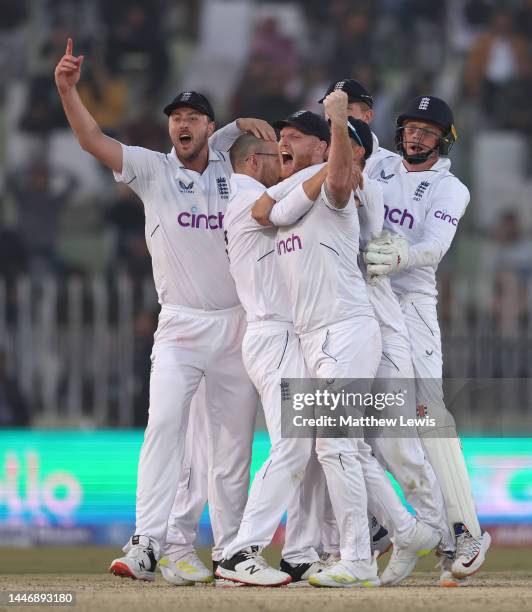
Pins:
<point x="423" y="204"/>
<point x="201" y="323"/>
<point x="335" y="320"/>
<point x="270" y="350"/>
<point x="404" y="458"/>
<point x="411" y="538"/>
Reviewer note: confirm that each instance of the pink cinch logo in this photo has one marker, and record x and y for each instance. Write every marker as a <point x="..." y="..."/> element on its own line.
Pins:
<point x="193" y="220"/>
<point x="290" y="244"/>
<point x="396" y="215"/>
<point x="445" y="216"/>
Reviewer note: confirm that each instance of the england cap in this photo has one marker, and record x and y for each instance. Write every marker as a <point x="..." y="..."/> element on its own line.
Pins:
<point x="194" y="100"/>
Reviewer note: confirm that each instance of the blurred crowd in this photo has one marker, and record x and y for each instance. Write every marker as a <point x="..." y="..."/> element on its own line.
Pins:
<point x="59" y="215"/>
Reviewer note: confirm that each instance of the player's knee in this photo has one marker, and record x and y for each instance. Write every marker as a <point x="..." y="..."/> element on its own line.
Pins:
<point x="294" y="453"/>
<point x="335" y="448"/>
<point x="163" y="420"/>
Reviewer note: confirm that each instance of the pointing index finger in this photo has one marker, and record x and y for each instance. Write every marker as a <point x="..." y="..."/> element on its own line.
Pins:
<point x="69" y="47"/>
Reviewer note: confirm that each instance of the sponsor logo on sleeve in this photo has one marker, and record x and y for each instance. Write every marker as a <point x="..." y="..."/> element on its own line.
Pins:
<point x="445" y="216"/>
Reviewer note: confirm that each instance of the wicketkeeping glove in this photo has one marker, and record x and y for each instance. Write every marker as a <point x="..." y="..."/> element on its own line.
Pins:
<point x="387" y="254"/>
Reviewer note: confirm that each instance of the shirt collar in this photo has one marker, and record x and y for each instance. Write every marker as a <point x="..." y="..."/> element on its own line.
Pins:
<point x="443" y="163"/>
<point x="214" y="156"/>
<point x="244" y="180"/>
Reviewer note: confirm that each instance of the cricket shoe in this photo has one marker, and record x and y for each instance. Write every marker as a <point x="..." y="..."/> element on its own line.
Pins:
<point x="347" y="574"/>
<point x="184" y="570"/>
<point x="470" y="553"/>
<point x="249" y="567"/>
<point x="404" y="559"/>
<point x="222" y="582"/>
<point x="139" y="562"/>
<point x="380" y="540"/>
<point x="301" y="572"/>
<point x="447" y="580"/>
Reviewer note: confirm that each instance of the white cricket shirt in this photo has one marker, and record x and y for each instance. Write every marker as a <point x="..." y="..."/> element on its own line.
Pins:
<point x="317" y="258"/>
<point x="184" y="216"/>
<point x="378" y="154"/>
<point x="424" y="207"/>
<point x="251" y="251"/>
<point x="380" y="292"/>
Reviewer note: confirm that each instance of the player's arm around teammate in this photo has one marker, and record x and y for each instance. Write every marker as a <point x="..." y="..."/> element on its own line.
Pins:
<point x="424" y="205"/>
<point x="287" y="210"/>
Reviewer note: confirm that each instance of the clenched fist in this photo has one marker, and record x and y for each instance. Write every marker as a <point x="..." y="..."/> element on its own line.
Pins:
<point x="335" y="106"/>
<point x="68" y="70"/>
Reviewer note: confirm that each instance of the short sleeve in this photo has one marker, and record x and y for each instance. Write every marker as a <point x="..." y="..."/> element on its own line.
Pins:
<point x="139" y="167"/>
<point x="326" y="198"/>
<point x="282" y="189"/>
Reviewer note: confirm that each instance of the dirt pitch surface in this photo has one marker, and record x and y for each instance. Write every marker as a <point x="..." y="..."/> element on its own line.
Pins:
<point x="505" y="586"/>
<point x="501" y="592"/>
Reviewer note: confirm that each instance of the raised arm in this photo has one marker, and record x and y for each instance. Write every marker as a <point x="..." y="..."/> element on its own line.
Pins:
<point x="87" y="131"/>
<point x="339" y="183"/>
<point x="293" y="206"/>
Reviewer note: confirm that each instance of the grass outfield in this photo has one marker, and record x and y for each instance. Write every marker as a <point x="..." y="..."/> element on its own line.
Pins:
<point x="503" y="585"/>
<point x="96" y="559"/>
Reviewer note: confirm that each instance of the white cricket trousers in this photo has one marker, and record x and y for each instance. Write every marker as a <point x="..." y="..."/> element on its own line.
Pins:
<point x="425" y="340"/>
<point x="192" y="490"/>
<point x="271" y="352"/>
<point x="404" y="458"/>
<point x="347" y="349"/>
<point x="189" y="343"/>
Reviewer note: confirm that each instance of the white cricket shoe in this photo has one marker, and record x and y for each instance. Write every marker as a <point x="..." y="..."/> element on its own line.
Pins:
<point x="139" y="562"/>
<point x="347" y="574"/>
<point x="249" y="567"/>
<point x="185" y="570"/>
<point x="404" y="560"/>
<point x="447" y="580"/>
<point x="470" y="553"/>
<point x="221" y="582"/>
<point x="165" y="565"/>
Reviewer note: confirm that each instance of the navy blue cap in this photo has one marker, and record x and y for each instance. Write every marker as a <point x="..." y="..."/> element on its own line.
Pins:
<point x="360" y="132"/>
<point x="356" y="92"/>
<point x="307" y="122"/>
<point x="194" y="100"/>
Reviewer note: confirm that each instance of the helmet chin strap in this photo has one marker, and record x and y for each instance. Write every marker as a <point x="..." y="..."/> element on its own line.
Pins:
<point x="419" y="158"/>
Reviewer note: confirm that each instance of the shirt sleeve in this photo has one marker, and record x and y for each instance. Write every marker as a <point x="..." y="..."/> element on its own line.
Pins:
<point x="224" y="138"/>
<point x="371" y="211"/>
<point x="282" y="189"/>
<point x="327" y="200"/>
<point x="138" y="168"/>
<point x="447" y="208"/>
<point x="291" y="208"/>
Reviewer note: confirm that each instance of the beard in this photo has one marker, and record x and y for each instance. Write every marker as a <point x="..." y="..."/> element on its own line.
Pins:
<point x="299" y="161"/>
<point x="192" y="150"/>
